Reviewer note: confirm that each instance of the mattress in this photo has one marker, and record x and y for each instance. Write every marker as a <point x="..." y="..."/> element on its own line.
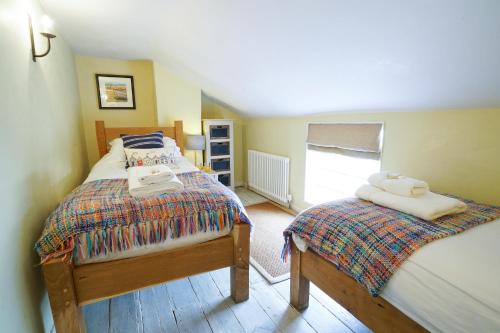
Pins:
<point x="452" y="284"/>
<point x="107" y="169"/>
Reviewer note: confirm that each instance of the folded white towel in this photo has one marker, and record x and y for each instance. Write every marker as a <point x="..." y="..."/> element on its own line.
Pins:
<point x="428" y="206"/>
<point x="136" y="189"/>
<point x="397" y="184"/>
<point x="154" y="174"/>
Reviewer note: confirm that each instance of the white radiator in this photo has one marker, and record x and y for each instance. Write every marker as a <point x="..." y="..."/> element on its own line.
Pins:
<point x="268" y="175"/>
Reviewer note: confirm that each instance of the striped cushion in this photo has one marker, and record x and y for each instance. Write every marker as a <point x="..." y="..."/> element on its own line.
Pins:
<point x="146" y="141"/>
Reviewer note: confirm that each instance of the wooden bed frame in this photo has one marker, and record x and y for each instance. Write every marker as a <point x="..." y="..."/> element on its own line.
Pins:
<point x="69" y="287"/>
<point x="375" y="312"/>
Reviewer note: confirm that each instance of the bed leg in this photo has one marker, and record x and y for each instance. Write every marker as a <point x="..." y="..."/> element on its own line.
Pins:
<point x="240" y="270"/>
<point x="299" y="285"/>
<point x="58" y="276"/>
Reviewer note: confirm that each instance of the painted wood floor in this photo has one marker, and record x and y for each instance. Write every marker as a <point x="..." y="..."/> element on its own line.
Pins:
<point x="202" y="303"/>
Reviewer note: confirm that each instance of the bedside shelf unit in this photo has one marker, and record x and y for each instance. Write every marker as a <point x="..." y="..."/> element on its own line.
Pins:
<point x="219" y="150"/>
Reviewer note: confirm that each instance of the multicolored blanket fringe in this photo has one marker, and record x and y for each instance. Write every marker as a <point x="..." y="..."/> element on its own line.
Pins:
<point x="370" y="242"/>
<point x="100" y="217"/>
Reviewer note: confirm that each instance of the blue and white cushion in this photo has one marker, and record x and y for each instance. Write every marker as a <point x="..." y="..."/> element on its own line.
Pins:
<point x="147" y="157"/>
<point x="146" y="141"/>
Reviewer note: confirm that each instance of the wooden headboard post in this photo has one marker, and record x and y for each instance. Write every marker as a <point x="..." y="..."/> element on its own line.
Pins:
<point x="105" y="134"/>
<point x="100" y="132"/>
<point x="179" y="135"/>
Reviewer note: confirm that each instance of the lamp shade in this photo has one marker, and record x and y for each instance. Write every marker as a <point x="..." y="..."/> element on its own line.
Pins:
<point x="195" y="142"/>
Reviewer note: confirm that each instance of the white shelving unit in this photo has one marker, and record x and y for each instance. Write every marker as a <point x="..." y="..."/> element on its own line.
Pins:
<point x="219" y="150"/>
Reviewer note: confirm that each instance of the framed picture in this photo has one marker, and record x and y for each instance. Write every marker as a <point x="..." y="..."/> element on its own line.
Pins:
<point x="115" y="91"/>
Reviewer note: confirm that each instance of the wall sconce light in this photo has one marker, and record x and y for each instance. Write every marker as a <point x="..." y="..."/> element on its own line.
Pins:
<point x="47" y="35"/>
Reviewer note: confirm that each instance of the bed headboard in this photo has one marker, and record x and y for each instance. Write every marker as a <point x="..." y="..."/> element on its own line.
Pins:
<point x="106" y="134"/>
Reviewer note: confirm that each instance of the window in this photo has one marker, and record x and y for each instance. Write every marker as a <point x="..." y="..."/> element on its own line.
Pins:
<point x="339" y="159"/>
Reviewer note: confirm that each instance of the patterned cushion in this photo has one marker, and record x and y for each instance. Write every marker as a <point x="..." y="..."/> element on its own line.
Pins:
<point x="146" y="141"/>
<point x="146" y="157"/>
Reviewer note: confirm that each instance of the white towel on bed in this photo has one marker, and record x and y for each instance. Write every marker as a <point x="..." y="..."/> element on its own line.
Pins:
<point x="397" y="184"/>
<point x="154" y="174"/>
<point x="428" y="206"/>
<point x="136" y="189"/>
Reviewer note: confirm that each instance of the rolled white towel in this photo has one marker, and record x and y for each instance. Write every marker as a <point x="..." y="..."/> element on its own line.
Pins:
<point x="378" y="177"/>
<point x="429" y="206"/>
<point x="136" y="189"/>
<point x="397" y="184"/>
<point x="154" y="174"/>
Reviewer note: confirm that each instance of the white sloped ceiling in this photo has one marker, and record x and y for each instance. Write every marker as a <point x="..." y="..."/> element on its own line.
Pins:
<point x="292" y="57"/>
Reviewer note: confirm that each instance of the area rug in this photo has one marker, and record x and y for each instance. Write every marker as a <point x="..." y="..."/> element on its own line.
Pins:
<point x="267" y="241"/>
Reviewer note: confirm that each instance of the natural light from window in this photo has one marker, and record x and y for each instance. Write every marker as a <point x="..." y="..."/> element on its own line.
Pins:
<point x="331" y="176"/>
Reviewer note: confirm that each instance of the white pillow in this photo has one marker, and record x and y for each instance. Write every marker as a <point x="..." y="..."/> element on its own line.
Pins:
<point x="116" y="152"/>
<point x="170" y="143"/>
<point x="146" y="157"/>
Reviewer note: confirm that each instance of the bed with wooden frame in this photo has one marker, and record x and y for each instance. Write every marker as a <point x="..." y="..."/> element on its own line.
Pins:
<point x="375" y="312"/>
<point x="70" y="287"/>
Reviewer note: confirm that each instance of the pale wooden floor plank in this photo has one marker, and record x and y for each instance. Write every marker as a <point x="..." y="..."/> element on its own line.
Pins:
<point x="188" y="311"/>
<point x="181" y="293"/>
<point x="191" y="319"/>
<point x="202" y="303"/>
<point x="286" y="317"/>
<point x="125" y="314"/>
<point x="255" y="276"/>
<point x="252" y="317"/>
<point x="316" y="314"/>
<point x="249" y="313"/>
<point x="216" y="307"/>
<point x="97" y="317"/>
<point x="222" y="279"/>
<point x="157" y="312"/>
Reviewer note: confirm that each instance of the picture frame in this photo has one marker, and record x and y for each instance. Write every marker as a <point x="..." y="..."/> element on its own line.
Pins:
<point x="115" y="91"/>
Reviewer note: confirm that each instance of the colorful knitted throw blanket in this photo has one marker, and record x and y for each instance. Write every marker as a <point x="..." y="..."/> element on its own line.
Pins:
<point x="370" y="242"/>
<point x="101" y="216"/>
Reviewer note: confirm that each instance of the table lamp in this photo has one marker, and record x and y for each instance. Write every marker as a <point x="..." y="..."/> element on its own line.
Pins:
<point x="195" y="142"/>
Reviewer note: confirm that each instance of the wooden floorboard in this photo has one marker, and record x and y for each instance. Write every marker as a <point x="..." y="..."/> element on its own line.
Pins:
<point x="157" y="311"/>
<point x="188" y="311"/>
<point x="316" y="314"/>
<point x="216" y="307"/>
<point x="202" y="303"/>
<point x="125" y="314"/>
<point x="97" y="316"/>
<point x="286" y="318"/>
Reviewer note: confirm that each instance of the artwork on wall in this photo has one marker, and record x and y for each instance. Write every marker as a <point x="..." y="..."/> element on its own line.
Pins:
<point x="115" y="91"/>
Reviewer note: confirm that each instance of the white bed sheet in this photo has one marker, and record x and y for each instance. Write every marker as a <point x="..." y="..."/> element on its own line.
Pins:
<point x="452" y="284"/>
<point x="108" y="169"/>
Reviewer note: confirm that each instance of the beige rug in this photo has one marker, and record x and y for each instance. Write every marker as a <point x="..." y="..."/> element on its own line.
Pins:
<point x="267" y="241"/>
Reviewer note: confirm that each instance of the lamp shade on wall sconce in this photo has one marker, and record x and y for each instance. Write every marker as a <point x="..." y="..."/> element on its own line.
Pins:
<point x="195" y="142"/>
<point x="47" y="23"/>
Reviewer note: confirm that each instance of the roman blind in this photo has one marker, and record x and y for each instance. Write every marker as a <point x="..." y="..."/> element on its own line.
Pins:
<point x="355" y="139"/>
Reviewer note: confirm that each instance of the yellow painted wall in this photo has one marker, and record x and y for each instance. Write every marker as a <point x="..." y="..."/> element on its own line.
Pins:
<point x="144" y="86"/>
<point x="212" y="109"/>
<point x="43" y="158"/>
<point x="457" y="152"/>
<point x="178" y="99"/>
